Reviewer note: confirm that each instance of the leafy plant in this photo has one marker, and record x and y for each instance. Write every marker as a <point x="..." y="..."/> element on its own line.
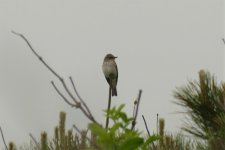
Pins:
<point x="119" y="136"/>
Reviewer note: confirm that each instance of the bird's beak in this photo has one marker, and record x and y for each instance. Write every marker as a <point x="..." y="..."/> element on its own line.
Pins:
<point x="115" y="57"/>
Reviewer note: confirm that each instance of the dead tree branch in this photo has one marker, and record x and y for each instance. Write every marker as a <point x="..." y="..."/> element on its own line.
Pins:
<point x="3" y="139"/>
<point x="136" y="109"/>
<point x="77" y="104"/>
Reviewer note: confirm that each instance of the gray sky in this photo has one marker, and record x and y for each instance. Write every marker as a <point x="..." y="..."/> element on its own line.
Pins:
<point x="159" y="43"/>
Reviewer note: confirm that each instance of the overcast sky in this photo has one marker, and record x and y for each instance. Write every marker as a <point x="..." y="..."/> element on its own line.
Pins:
<point x="160" y="44"/>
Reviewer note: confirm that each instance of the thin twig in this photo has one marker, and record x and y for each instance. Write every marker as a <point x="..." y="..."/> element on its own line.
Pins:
<point x="3" y="138"/>
<point x="63" y="97"/>
<point x="69" y="93"/>
<point x="108" y="108"/>
<point x="90" y="117"/>
<point x="136" y="110"/>
<point x="146" y="125"/>
<point x="223" y="40"/>
<point x="76" y="128"/>
<point x="86" y="112"/>
<point x="46" y="65"/>
<point x="35" y="141"/>
<point x="78" y="95"/>
<point x="36" y="54"/>
<point x="157" y="124"/>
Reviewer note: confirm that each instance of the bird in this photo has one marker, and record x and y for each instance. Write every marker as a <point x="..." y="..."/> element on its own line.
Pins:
<point x="110" y="71"/>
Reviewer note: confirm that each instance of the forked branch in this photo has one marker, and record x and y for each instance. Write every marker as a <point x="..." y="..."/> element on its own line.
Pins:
<point x="63" y="97"/>
<point x="77" y="103"/>
<point x="78" y="95"/>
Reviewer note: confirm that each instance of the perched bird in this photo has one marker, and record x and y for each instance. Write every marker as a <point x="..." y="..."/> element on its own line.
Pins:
<point x="110" y="71"/>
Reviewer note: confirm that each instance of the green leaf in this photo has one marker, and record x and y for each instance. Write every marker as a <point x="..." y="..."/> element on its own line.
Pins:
<point x="98" y="130"/>
<point x="120" y="107"/>
<point x="123" y="116"/>
<point x="150" y="140"/>
<point x="115" y="127"/>
<point x="131" y="143"/>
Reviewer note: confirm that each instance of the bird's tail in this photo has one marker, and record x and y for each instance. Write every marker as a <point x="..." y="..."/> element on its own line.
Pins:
<point x="114" y="92"/>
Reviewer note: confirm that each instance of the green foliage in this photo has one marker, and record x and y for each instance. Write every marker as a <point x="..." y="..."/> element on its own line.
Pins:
<point x="119" y="136"/>
<point x="205" y="105"/>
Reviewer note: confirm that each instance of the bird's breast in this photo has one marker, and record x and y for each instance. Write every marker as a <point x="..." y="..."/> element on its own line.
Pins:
<point x="109" y="69"/>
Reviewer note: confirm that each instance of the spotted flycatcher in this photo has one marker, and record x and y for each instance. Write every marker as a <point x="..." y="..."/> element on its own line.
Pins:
<point x="110" y="71"/>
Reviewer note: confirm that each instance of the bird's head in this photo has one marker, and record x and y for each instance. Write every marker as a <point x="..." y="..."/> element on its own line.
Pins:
<point x="110" y="57"/>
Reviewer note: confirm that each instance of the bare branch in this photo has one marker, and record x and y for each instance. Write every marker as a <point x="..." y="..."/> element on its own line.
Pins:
<point x="108" y="108"/>
<point x="36" y="54"/>
<point x="157" y="124"/>
<point x="76" y="128"/>
<point x="77" y="104"/>
<point x="46" y="65"/>
<point x="3" y="139"/>
<point x="90" y="117"/>
<point x="146" y="125"/>
<point x="78" y="95"/>
<point x="136" y="110"/>
<point x="68" y="91"/>
<point x="63" y="97"/>
<point x="35" y="141"/>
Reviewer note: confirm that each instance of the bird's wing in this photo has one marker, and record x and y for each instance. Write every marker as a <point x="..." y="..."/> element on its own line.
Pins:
<point x="108" y="80"/>
<point x="117" y="73"/>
